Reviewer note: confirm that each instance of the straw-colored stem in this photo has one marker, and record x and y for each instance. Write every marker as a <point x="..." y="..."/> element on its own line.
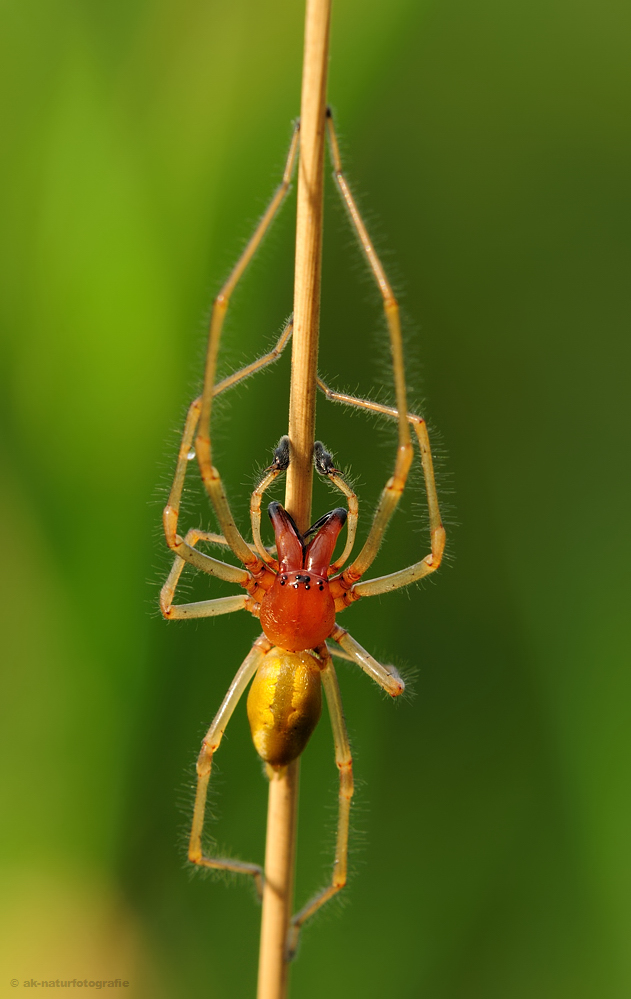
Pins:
<point x="283" y="790"/>
<point x="280" y="853"/>
<point x="308" y="263"/>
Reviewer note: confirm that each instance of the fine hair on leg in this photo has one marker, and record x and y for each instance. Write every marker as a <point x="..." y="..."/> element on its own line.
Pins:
<point x="344" y="763"/>
<point x="210" y="744"/>
<point x="210" y="475"/>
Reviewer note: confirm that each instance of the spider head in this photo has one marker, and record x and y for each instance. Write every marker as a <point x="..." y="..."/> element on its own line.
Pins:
<point x="298" y="612"/>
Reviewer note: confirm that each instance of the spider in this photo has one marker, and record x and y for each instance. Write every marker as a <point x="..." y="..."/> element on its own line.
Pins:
<point x="297" y="594"/>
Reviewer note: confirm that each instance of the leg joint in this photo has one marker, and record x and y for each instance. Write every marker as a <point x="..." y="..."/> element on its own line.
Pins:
<point x="438" y="546"/>
<point x="390" y="303"/>
<point x="205" y="758"/>
<point x="347" y="785"/>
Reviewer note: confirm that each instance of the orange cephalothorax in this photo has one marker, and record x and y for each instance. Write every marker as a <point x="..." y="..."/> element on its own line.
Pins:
<point x="298" y="612"/>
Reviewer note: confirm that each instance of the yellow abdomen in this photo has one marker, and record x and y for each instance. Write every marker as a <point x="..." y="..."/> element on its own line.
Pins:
<point x="284" y="705"/>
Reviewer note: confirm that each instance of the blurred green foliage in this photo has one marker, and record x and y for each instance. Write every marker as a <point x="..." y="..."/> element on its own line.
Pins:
<point x="489" y="146"/>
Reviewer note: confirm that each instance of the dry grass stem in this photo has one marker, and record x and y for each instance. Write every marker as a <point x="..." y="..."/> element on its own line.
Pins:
<point x="283" y="792"/>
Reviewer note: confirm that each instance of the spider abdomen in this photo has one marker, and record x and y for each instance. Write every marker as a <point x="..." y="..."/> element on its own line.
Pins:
<point x="284" y="705"/>
<point x="298" y="612"/>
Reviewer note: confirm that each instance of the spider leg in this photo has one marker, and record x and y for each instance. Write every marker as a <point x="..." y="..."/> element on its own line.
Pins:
<point x="395" y="485"/>
<point x="210" y="475"/>
<point x="184" y="547"/>
<point x="386" y="676"/>
<point x="172" y="510"/>
<point x="261" y="362"/>
<point x="280" y="464"/>
<point x="338" y="653"/>
<point x="324" y="465"/>
<point x="431" y="562"/>
<point x="214" y="539"/>
<point x="344" y="762"/>
<point x="202" y="608"/>
<point x="210" y="745"/>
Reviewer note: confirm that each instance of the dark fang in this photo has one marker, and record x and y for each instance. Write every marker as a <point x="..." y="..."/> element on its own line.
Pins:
<point x="338" y="512"/>
<point x="274" y="505"/>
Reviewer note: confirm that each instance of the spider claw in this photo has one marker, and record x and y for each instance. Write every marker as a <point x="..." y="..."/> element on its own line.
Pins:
<point x="281" y="455"/>
<point x="292" y="942"/>
<point x="323" y="460"/>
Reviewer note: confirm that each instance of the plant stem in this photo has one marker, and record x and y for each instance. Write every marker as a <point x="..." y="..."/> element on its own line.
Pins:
<point x="280" y="854"/>
<point x="283" y="790"/>
<point x="304" y="358"/>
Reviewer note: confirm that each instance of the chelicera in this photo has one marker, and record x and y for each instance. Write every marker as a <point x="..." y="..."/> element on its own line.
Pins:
<point x="298" y="592"/>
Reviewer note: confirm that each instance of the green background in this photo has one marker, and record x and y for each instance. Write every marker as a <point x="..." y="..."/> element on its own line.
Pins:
<point x="488" y="145"/>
